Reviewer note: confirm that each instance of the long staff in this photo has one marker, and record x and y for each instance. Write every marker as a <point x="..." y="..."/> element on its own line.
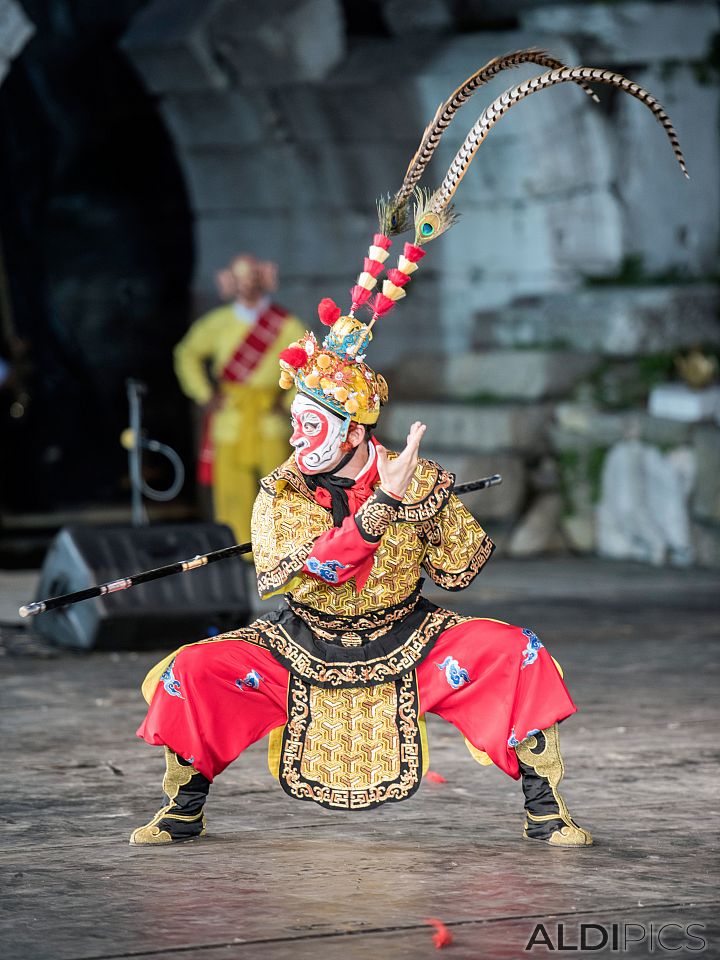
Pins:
<point x="182" y="566"/>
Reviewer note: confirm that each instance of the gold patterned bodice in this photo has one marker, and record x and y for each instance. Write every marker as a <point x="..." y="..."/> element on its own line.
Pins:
<point x="433" y="532"/>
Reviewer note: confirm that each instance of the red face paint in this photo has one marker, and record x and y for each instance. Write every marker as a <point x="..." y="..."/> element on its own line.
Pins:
<point x="316" y="436"/>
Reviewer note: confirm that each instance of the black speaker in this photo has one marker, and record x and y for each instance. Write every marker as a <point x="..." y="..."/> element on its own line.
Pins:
<point x="171" y="611"/>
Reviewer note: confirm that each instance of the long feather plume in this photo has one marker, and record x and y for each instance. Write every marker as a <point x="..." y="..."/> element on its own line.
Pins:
<point x="490" y="116"/>
<point x="393" y="211"/>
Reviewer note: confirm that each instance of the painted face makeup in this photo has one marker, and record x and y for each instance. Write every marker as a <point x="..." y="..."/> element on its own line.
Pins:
<point x="317" y="435"/>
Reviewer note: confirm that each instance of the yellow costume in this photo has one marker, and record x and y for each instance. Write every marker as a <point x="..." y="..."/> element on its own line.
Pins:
<point x="249" y="429"/>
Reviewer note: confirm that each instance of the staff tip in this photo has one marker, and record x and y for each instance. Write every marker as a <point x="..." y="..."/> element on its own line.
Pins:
<point x="31" y="609"/>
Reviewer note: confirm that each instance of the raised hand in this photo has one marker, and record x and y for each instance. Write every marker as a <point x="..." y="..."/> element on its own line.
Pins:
<point x="396" y="474"/>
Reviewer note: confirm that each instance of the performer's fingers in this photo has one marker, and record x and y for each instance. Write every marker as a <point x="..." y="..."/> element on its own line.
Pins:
<point x="417" y="430"/>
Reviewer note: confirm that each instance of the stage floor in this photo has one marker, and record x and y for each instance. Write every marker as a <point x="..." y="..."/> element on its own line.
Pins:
<point x="275" y="878"/>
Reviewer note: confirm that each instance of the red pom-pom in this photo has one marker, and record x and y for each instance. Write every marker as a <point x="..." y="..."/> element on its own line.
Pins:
<point x="328" y="311"/>
<point x="295" y="356"/>
<point x="442" y="937"/>
<point x="359" y="296"/>
<point x="397" y="277"/>
<point x="381" y="304"/>
<point x="413" y="253"/>
<point x="373" y="267"/>
<point x="380" y="240"/>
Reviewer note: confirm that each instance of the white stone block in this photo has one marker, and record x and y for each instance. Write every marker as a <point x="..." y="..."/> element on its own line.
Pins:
<point x="168" y="44"/>
<point x="643" y="511"/>
<point x="671" y="222"/>
<point x="502" y="374"/>
<point x="15" y="29"/>
<point x="302" y="178"/>
<point x="196" y="44"/>
<point x="539" y="530"/>
<point x="615" y="321"/>
<point x="221" y="119"/>
<point x="578" y="425"/>
<point x="325" y="249"/>
<point x="677" y="401"/>
<point x="403" y="17"/>
<point x="345" y="111"/>
<point x="286" y="41"/>
<point x="620" y="33"/>
<point x="472" y="429"/>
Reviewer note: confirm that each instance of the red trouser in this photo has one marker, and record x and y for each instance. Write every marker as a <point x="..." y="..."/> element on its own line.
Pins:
<point x="496" y="683"/>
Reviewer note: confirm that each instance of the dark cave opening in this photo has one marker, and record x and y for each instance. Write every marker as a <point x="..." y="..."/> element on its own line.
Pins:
<point x="97" y="246"/>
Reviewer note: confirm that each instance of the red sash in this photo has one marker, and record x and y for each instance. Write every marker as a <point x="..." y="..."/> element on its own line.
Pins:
<point x="238" y="368"/>
<point x="253" y="348"/>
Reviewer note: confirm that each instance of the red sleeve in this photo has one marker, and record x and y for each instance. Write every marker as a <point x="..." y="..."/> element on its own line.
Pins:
<point x="348" y="551"/>
<point x="340" y="554"/>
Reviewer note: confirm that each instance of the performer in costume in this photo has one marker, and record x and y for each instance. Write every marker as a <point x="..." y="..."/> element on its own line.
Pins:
<point x="244" y="432"/>
<point x="342" y="676"/>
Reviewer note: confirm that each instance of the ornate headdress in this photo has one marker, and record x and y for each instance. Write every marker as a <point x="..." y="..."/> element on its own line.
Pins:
<point x="334" y="373"/>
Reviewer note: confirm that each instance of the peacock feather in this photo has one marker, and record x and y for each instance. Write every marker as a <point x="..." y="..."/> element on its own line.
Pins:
<point x="431" y="219"/>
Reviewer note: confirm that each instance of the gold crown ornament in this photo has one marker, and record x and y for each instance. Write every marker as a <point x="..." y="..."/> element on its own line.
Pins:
<point x="334" y="373"/>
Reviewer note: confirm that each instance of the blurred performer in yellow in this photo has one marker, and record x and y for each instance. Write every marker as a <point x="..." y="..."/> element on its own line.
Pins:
<point x="245" y="428"/>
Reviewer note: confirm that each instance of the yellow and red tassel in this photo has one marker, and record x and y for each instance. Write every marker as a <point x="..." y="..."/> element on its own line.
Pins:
<point x="372" y="267"/>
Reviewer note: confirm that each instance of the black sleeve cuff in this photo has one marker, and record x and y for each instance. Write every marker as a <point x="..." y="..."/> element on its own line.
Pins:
<point x="376" y="514"/>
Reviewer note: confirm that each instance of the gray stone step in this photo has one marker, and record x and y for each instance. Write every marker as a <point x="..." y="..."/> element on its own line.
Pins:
<point x="579" y="425"/>
<point x="471" y="429"/>
<point x="615" y="321"/>
<point x="621" y="33"/>
<point x="500" y="374"/>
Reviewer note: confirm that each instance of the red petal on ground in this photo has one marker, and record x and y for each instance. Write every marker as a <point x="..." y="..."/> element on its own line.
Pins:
<point x="434" y="777"/>
<point x="442" y="937"/>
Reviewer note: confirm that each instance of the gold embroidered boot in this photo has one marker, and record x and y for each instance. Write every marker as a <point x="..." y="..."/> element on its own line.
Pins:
<point x="182" y="817"/>
<point x="547" y="817"/>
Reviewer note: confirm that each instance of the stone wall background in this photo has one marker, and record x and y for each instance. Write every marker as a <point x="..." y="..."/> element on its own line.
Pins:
<point x="537" y="328"/>
<point x="583" y="261"/>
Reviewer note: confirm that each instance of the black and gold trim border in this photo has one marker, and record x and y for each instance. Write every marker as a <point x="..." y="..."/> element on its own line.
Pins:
<point x="282" y="573"/>
<point x="434" y="501"/>
<point x="351" y="670"/>
<point x="375" y="515"/>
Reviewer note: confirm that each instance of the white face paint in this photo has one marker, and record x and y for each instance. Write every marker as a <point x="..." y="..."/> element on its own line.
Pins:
<point x="317" y="435"/>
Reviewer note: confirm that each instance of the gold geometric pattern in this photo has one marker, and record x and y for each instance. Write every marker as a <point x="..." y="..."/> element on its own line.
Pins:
<point x="354" y="631"/>
<point x="287" y="521"/>
<point x="352" y="740"/>
<point x="352" y="749"/>
<point x="458" y="547"/>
